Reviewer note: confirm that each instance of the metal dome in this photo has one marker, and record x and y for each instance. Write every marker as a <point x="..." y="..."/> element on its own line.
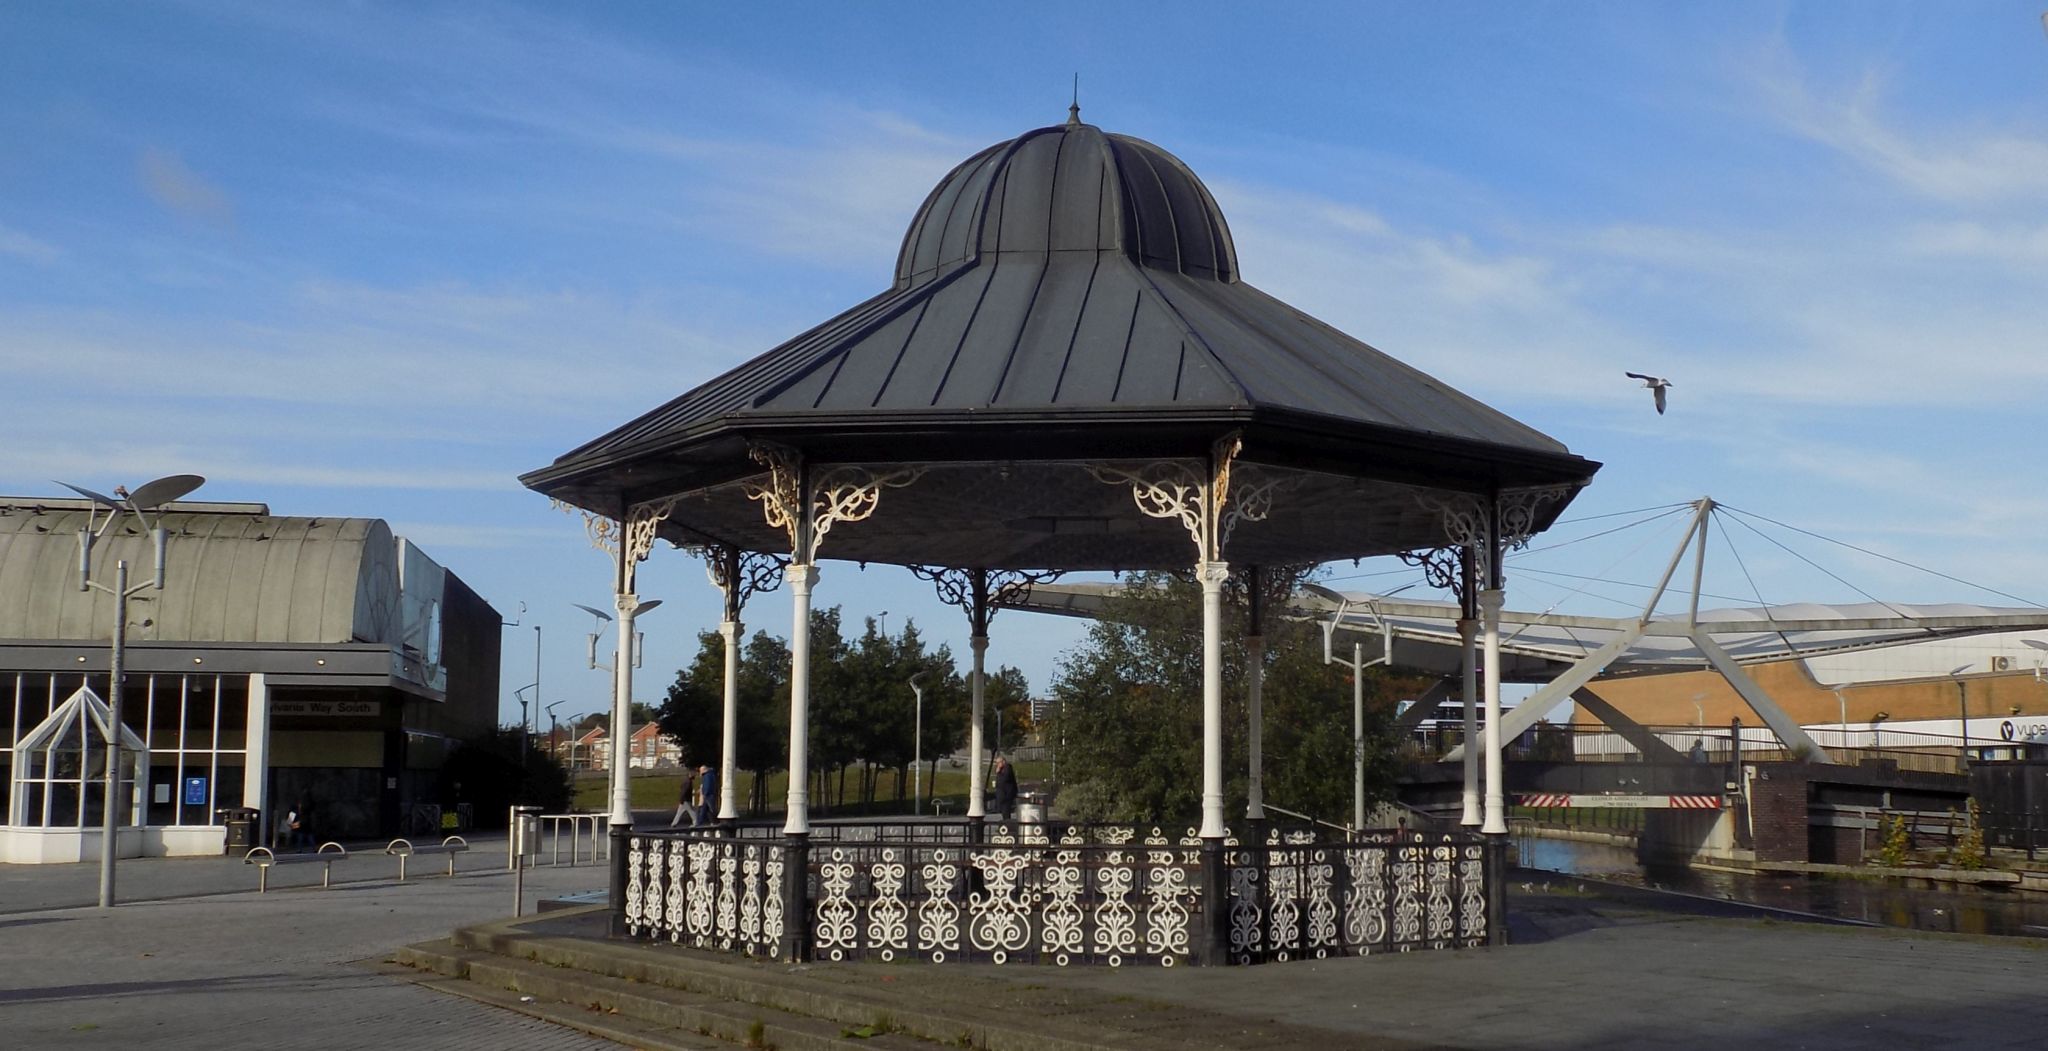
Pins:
<point x="1070" y="188"/>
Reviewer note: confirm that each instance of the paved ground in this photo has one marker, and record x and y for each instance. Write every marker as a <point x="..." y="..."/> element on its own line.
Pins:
<point x="207" y="963"/>
<point x="1595" y="972"/>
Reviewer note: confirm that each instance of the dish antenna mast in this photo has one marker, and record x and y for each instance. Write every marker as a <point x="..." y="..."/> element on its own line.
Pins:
<point x="142" y="503"/>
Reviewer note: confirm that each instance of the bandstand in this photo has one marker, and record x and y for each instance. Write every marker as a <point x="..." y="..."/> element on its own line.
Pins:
<point x="1068" y="373"/>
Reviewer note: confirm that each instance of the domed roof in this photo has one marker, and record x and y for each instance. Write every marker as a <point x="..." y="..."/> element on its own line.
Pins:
<point x="1070" y="188"/>
<point x="1068" y="296"/>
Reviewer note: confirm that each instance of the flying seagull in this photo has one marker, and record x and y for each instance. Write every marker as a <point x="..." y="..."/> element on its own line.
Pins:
<point x="1657" y="384"/>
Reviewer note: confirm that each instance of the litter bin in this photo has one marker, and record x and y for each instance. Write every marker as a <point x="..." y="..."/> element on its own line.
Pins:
<point x="1031" y="809"/>
<point x="241" y="826"/>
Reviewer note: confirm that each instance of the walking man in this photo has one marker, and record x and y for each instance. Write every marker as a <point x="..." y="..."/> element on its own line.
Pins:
<point x="707" y="794"/>
<point x="686" y="802"/>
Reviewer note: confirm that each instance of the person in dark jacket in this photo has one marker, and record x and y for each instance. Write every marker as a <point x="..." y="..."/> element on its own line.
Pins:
<point x="707" y="794"/>
<point x="1006" y="787"/>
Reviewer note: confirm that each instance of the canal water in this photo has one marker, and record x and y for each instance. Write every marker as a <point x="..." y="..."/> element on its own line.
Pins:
<point x="1886" y="902"/>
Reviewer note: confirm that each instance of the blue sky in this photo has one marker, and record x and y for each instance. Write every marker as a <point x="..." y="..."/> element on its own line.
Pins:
<point x="377" y="259"/>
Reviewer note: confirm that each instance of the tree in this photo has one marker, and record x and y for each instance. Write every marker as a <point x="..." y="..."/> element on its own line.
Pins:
<point x="1009" y="693"/>
<point x="694" y="709"/>
<point x="1130" y="703"/>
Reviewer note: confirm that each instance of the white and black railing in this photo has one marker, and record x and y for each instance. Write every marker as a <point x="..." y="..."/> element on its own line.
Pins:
<point x="1067" y="895"/>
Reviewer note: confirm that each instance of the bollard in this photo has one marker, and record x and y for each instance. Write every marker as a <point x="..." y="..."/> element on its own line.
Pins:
<point x="522" y="838"/>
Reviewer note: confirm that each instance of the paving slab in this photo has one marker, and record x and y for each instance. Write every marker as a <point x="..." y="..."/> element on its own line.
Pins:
<point x="203" y="966"/>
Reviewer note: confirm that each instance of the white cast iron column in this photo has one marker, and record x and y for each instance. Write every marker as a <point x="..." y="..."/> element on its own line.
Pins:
<point x="1255" y="688"/>
<point x="801" y="578"/>
<point x="729" y="746"/>
<point x="977" y="776"/>
<point x="627" y="604"/>
<point x="1496" y="795"/>
<point x="1467" y="630"/>
<point x="1212" y="576"/>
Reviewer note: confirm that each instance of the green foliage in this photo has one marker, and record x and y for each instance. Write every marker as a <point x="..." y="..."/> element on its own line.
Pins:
<point x="863" y="715"/>
<point x="487" y="773"/>
<point x="1898" y="841"/>
<point x="1968" y="851"/>
<point x="1130" y="701"/>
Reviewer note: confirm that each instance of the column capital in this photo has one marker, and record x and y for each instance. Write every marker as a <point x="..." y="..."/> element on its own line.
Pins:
<point x="1212" y="575"/>
<point x="977" y="643"/>
<point x="1491" y="600"/>
<point x="800" y="575"/>
<point x="730" y="629"/>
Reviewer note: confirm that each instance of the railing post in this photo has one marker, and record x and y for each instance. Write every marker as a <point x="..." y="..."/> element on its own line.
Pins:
<point x="796" y="904"/>
<point x="617" y="897"/>
<point x="1214" y="947"/>
<point x="1496" y="865"/>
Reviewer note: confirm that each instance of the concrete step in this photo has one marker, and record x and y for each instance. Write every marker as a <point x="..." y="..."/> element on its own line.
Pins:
<point x="953" y="1007"/>
<point x="641" y="1014"/>
<point x="620" y="1029"/>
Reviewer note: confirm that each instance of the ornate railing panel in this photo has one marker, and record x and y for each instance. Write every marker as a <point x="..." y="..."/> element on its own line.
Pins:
<point x="706" y="891"/>
<point x="1294" y="898"/>
<point x="1095" y="894"/>
<point x="1010" y="900"/>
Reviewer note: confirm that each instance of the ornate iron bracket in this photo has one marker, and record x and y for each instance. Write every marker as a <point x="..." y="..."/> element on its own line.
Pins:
<point x="1442" y="567"/>
<point x="807" y="507"/>
<point x="1209" y="508"/>
<point x="978" y="592"/>
<point x="602" y="531"/>
<point x="740" y="575"/>
<point x="1519" y="509"/>
<point x="1466" y="519"/>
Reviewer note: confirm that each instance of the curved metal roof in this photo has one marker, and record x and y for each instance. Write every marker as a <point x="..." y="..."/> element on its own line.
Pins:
<point x="1072" y="188"/>
<point x="1089" y="274"/>
<point x="229" y="578"/>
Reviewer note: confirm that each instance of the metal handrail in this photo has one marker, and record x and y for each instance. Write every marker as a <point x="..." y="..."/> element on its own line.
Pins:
<point x="1346" y="829"/>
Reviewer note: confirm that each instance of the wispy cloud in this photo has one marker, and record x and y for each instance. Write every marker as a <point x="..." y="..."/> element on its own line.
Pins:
<point x="174" y="185"/>
<point x="22" y="246"/>
<point x="1952" y="165"/>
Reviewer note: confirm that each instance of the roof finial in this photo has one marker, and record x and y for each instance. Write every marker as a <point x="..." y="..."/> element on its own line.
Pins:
<point x="1074" y="110"/>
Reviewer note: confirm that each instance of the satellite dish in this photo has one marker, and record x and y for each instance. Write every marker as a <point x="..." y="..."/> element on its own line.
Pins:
<point x="598" y="613"/>
<point x="163" y="490"/>
<point x="98" y="498"/>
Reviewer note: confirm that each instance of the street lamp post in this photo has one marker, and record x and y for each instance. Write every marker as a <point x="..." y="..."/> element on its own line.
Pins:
<point x="520" y="696"/>
<point x="143" y="500"/>
<point x="626" y="658"/>
<point x="552" y="745"/>
<point x="917" y="748"/>
<point x="1357" y="664"/>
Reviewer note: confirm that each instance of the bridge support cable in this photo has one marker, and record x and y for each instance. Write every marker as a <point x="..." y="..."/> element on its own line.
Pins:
<point x="1652" y="746"/>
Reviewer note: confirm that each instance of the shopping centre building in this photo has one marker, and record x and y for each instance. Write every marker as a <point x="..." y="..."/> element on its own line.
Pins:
<point x="321" y="663"/>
